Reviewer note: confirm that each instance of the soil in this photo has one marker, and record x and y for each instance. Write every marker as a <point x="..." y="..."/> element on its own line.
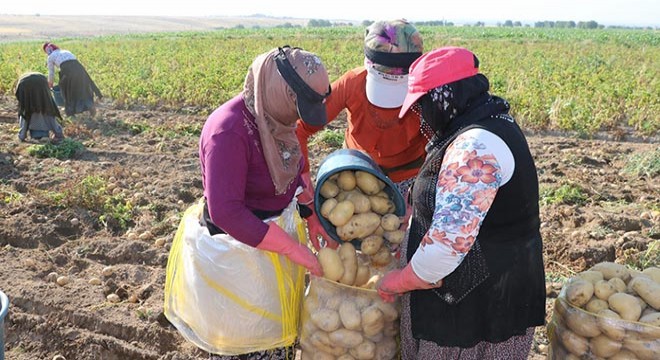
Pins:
<point x="161" y="175"/>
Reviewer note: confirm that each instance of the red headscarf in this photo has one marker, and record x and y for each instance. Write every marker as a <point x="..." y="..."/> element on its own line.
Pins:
<point x="49" y="47"/>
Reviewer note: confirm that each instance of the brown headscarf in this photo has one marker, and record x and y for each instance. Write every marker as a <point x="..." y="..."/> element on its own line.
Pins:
<point x="272" y="102"/>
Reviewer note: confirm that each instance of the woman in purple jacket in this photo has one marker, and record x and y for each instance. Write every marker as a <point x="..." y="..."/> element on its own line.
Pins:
<point x="251" y="160"/>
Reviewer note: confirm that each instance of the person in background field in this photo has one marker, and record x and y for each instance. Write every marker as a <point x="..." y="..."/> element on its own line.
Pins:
<point x="37" y="111"/>
<point x="251" y="161"/>
<point x="77" y="87"/>
<point x="472" y="275"/>
<point x="372" y="95"/>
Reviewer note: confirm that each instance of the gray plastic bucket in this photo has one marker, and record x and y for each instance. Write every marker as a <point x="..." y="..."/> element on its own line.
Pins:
<point x="351" y="159"/>
<point x="57" y="96"/>
<point x="4" y="308"/>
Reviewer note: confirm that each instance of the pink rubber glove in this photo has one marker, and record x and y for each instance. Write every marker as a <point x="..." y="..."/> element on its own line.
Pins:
<point x="397" y="282"/>
<point x="315" y="230"/>
<point x="277" y="240"/>
<point x="307" y="196"/>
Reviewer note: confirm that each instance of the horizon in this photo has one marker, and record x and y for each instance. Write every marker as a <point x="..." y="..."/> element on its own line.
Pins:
<point x="629" y="13"/>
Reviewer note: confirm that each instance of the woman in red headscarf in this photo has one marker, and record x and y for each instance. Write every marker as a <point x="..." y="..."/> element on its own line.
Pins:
<point x="472" y="277"/>
<point x="77" y="87"/>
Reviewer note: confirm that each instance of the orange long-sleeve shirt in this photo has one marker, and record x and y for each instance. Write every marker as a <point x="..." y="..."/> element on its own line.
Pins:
<point x="390" y="141"/>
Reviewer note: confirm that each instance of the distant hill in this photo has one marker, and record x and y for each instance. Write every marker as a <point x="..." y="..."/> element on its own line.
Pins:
<point x="38" y="27"/>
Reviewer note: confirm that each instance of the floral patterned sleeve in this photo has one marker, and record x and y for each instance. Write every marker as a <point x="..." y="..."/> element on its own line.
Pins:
<point x="475" y="165"/>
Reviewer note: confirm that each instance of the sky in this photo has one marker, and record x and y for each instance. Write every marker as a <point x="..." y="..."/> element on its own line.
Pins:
<point x="606" y="12"/>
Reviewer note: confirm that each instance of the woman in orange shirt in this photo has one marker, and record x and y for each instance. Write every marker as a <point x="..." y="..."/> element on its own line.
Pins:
<point x="372" y="95"/>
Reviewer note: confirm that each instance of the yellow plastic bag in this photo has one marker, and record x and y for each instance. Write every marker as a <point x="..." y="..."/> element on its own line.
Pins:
<point x="229" y="298"/>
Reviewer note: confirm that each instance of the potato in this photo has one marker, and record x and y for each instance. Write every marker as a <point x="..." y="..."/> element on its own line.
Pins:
<point x="390" y="222"/>
<point x="346" y="338"/>
<point x="574" y="343"/>
<point x="349" y="314"/>
<point x="390" y="312"/>
<point x="334" y="301"/>
<point x="327" y="206"/>
<point x="391" y="329"/>
<point x="383" y="194"/>
<point x="309" y="352"/>
<point x="362" y="276"/>
<point x="394" y="237"/>
<point x="343" y="195"/>
<point x="609" y="323"/>
<point x="346" y="357"/>
<point x="641" y="302"/>
<point x="644" y="349"/>
<point x="359" y="226"/>
<point x="362" y="300"/>
<point x="603" y="346"/>
<point x="650" y="328"/>
<point x="652" y="319"/>
<point x="625" y="305"/>
<point x="367" y="182"/>
<point x="371" y="244"/>
<point x="365" y="350"/>
<point x="329" y="189"/>
<point x="326" y="319"/>
<point x="331" y="263"/>
<point x="382" y="257"/>
<point x="342" y="213"/>
<point x="360" y="201"/>
<point x="611" y="270"/>
<point x="346" y="180"/>
<point x="349" y="261"/>
<point x="321" y="341"/>
<point x="386" y="349"/>
<point x="618" y="284"/>
<point x="648" y="290"/>
<point x="381" y="205"/>
<point x="579" y="291"/>
<point x="652" y="272"/>
<point x="311" y="304"/>
<point x="623" y="355"/>
<point x="581" y="322"/>
<point x="376" y="338"/>
<point x="371" y="284"/>
<point x="595" y="305"/>
<point x="591" y="276"/>
<point x="603" y="289"/>
<point x="379" y="230"/>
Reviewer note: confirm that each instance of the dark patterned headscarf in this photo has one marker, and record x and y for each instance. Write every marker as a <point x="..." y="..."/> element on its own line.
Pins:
<point x="445" y="107"/>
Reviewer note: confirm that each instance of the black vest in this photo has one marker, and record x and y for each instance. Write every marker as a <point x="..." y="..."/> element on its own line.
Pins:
<point x="499" y="289"/>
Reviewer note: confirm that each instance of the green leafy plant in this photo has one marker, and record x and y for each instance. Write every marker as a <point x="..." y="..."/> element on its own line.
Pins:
<point x="643" y="164"/>
<point x="65" y="149"/>
<point x="9" y="197"/>
<point x="569" y="194"/>
<point x="329" y="138"/>
<point x="91" y="193"/>
<point x="642" y="260"/>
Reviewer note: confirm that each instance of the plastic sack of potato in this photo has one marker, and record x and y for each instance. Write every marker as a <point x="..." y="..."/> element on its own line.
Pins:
<point x="229" y="298"/>
<point x="600" y="314"/>
<point x="346" y="322"/>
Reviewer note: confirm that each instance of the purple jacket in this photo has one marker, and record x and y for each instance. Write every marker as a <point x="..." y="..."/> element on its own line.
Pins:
<point x="235" y="175"/>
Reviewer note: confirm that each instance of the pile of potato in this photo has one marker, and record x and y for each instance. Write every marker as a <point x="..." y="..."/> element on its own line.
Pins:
<point x="355" y="203"/>
<point x="608" y="311"/>
<point x="347" y="323"/>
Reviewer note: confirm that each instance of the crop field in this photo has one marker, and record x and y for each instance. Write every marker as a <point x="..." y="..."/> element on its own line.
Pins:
<point x="556" y="79"/>
<point x="101" y="208"/>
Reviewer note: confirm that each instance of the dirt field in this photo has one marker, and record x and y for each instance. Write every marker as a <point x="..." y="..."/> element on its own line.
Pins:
<point x="160" y="173"/>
